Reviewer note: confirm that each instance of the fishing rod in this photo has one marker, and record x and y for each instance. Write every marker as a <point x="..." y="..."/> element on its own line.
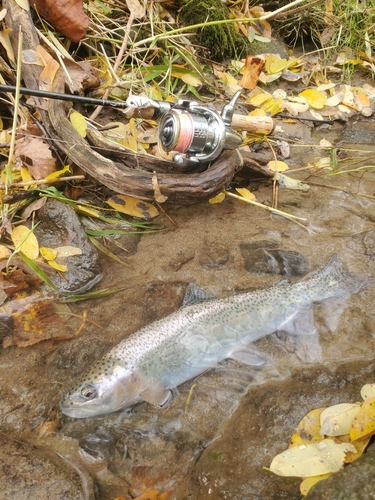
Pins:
<point x="191" y="132"/>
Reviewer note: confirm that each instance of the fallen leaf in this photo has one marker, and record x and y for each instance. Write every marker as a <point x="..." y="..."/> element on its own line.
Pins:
<point x="364" y="422"/>
<point x="66" y="16"/>
<point x="290" y="183"/>
<point x="79" y="123"/>
<point x="48" y="74"/>
<point x="309" y="482"/>
<point x="136" y="8"/>
<point x="5" y="252"/>
<point x="58" y="173"/>
<point x="245" y="193"/>
<point x="159" y="197"/>
<point x="359" y="444"/>
<point x="192" y="80"/>
<point x="59" y="267"/>
<point x="337" y="419"/>
<point x="24" y="4"/>
<point x="308" y="430"/>
<point x="5" y="42"/>
<point x="35" y="153"/>
<point x="25" y="241"/>
<point x="48" y="253"/>
<point x="368" y="391"/>
<point x="133" y="206"/>
<point x="315" y="98"/>
<point x="217" y="199"/>
<point x="311" y="459"/>
<point x="67" y="251"/>
<point x="277" y="166"/>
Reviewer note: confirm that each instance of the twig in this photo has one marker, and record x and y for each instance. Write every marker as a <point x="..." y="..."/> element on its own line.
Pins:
<point x="15" y="115"/>
<point x="42" y="181"/>
<point x="274" y="210"/>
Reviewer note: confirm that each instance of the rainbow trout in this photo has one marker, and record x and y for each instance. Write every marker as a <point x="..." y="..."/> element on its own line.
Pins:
<point x="160" y="356"/>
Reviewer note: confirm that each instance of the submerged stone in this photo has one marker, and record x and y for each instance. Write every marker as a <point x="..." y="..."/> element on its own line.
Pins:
<point x="269" y="257"/>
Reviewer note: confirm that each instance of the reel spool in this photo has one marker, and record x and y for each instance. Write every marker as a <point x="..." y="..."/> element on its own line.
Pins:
<point x="197" y="134"/>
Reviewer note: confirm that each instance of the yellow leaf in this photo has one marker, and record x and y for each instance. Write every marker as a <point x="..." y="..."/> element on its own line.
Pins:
<point x="227" y="77"/>
<point x="24" y="4"/>
<point x="25" y="174"/>
<point x="133" y="206"/>
<point x="273" y="106"/>
<point x="67" y="251"/>
<point x="246" y="193"/>
<point x="364" y="422"/>
<point x="316" y="99"/>
<point x="368" y="391"/>
<point x="79" y="123"/>
<point x="277" y="66"/>
<point x="192" y="80"/>
<point x="58" y="173"/>
<point x="259" y="99"/>
<point x="5" y="42"/>
<point x="308" y="430"/>
<point x="130" y="142"/>
<point x="48" y="74"/>
<point x="5" y="253"/>
<point x="25" y="240"/>
<point x="309" y="482"/>
<point x="48" y="253"/>
<point x="311" y="459"/>
<point x="59" y="267"/>
<point x="360" y="446"/>
<point x="217" y="199"/>
<point x="158" y="195"/>
<point x="258" y="112"/>
<point x="277" y="166"/>
<point x="337" y="419"/>
<point x="88" y="211"/>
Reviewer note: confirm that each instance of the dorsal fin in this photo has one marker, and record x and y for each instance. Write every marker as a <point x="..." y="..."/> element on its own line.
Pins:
<point x="195" y="294"/>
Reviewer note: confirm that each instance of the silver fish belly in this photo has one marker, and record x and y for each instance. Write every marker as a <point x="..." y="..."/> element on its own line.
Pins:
<point x="166" y="353"/>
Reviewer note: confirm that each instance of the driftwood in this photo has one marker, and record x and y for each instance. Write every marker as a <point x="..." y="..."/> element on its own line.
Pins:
<point x="134" y="174"/>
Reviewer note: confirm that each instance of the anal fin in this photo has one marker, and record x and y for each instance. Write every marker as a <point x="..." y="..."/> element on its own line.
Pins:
<point x="299" y="323"/>
<point x="247" y="355"/>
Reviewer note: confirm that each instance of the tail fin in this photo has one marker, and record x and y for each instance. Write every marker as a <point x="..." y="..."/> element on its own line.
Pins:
<point x="350" y="282"/>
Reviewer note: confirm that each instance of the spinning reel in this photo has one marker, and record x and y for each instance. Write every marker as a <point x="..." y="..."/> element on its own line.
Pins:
<point x="195" y="134"/>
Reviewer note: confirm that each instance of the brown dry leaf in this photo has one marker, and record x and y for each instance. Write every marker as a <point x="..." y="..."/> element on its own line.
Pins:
<point x="252" y="70"/>
<point x="34" y="152"/>
<point x="66" y="16"/>
<point x="5" y="42"/>
<point x="82" y="76"/>
<point x="48" y="74"/>
<point x="5" y="253"/>
<point x="136" y="8"/>
<point x="159" y="197"/>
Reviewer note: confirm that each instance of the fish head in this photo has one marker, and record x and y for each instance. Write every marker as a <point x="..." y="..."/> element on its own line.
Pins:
<point x="104" y="388"/>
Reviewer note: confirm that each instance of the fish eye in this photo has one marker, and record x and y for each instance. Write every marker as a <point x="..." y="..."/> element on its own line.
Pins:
<point x="89" y="392"/>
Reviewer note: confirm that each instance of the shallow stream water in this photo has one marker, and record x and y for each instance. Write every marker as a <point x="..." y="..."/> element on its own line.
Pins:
<point x="222" y="428"/>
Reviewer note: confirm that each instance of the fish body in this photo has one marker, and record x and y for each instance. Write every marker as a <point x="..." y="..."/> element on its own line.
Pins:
<point x="166" y="353"/>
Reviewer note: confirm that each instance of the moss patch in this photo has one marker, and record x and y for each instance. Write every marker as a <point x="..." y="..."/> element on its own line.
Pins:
<point x="222" y="41"/>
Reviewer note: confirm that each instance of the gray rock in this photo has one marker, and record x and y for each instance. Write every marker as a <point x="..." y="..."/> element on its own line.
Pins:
<point x="59" y="226"/>
<point x="270" y="258"/>
<point x="355" y="482"/>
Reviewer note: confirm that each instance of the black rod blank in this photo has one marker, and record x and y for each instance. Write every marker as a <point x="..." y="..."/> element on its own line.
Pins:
<point x="64" y="97"/>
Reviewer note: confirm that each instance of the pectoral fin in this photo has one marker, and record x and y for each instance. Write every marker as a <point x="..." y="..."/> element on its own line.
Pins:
<point x="300" y="323"/>
<point x="156" y="394"/>
<point x="247" y="355"/>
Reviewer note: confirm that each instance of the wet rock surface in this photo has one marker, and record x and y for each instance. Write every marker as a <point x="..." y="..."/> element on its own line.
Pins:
<point x="27" y="472"/>
<point x="355" y="482"/>
<point x="223" y="427"/>
<point x="58" y="226"/>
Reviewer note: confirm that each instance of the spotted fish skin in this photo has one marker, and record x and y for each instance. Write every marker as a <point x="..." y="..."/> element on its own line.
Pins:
<point x="174" y="349"/>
